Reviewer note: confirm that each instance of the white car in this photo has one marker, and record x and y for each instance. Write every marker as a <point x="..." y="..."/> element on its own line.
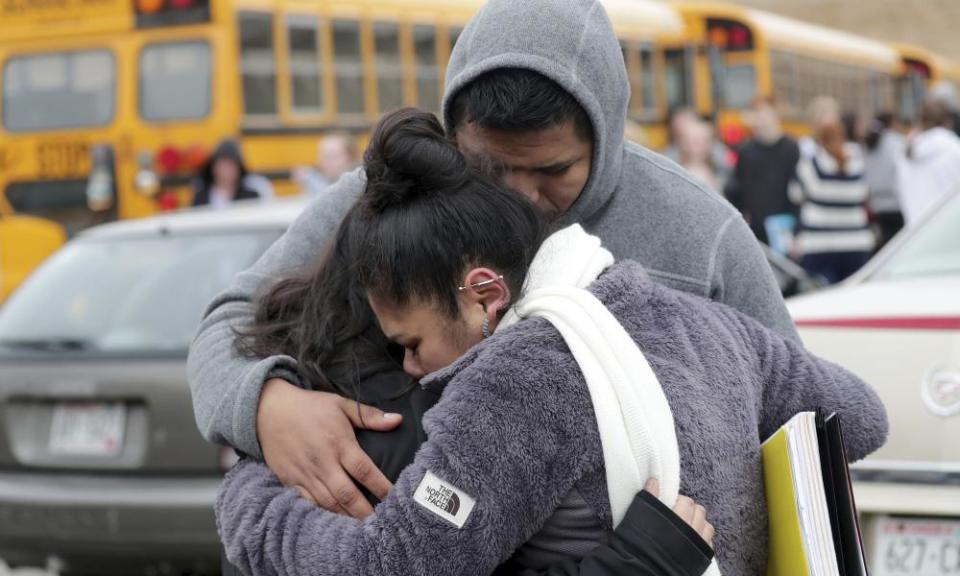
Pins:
<point x="896" y="324"/>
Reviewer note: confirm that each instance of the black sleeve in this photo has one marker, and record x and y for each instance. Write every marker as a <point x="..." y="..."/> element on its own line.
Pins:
<point x="732" y="190"/>
<point x="651" y="541"/>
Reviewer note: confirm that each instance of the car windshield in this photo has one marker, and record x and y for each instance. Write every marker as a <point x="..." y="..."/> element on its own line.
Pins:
<point x="933" y="250"/>
<point x="126" y="295"/>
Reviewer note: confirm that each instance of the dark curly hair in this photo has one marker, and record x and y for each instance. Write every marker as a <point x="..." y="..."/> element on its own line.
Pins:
<point x="424" y="218"/>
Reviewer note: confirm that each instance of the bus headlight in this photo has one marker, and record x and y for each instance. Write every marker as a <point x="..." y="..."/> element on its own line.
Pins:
<point x="147" y="183"/>
<point x="100" y="186"/>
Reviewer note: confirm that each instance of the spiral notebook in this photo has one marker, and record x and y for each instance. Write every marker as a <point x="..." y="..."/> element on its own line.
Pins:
<point x="813" y="525"/>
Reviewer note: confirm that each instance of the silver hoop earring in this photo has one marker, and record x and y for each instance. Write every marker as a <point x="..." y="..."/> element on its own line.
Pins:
<point x="485" y="327"/>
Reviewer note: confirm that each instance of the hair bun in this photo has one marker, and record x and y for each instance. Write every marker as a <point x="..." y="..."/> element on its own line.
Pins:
<point x="409" y="156"/>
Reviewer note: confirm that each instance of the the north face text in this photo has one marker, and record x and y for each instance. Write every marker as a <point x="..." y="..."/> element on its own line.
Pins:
<point x="444" y="499"/>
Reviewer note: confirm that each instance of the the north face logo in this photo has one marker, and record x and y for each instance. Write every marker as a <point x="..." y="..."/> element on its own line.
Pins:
<point x="444" y="499"/>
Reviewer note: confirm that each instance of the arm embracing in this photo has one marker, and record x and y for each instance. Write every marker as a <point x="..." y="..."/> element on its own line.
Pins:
<point x="795" y="380"/>
<point x="226" y="387"/>
<point x="502" y="452"/>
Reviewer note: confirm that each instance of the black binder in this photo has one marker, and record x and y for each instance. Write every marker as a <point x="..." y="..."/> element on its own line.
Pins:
<point x="844" y="522"/>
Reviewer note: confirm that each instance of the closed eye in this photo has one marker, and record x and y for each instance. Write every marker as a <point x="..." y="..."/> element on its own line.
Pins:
<point x="555" y="170"/>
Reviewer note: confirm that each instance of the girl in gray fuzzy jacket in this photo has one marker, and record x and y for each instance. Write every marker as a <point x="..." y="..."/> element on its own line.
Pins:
<point x="513" y="457"/>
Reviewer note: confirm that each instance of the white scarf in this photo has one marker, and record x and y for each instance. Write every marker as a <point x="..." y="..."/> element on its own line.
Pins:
<point x="634" y="418"/>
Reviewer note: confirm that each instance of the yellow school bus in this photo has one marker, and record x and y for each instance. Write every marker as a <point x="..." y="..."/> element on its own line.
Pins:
<point x="109" y="106"/>
<point x="744" y="53"/>
<point x="25" y="242"/>
<point x="921" y="70"/>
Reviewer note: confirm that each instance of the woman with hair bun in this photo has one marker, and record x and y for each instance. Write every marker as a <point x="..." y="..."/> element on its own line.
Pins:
<point x="566" y="383"/>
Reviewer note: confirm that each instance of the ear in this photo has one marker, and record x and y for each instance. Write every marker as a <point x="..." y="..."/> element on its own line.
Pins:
<point x="487" y="288"/>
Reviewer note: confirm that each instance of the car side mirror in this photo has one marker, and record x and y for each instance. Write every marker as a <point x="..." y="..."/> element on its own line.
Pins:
<point x="25" y="242"/>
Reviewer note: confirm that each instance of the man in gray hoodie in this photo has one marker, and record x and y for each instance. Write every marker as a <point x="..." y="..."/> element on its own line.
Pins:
<point x="539" y="89"/>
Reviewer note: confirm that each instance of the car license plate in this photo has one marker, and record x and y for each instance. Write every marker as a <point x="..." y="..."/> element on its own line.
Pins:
<point x="915" y="546"/>
<point x="87" y="429"/>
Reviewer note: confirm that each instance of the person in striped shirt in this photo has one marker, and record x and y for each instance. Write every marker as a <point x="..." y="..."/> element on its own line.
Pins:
<point x="833" y="238"/>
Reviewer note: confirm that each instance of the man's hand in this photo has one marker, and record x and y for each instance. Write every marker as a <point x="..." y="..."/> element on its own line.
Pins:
<point x="689" y="511"/>
<point x="308" y="441"/>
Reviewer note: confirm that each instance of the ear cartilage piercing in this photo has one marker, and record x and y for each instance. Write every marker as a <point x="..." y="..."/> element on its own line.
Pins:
<point x="481" y="284"/>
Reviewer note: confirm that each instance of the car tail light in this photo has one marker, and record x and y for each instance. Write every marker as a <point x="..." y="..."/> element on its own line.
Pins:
<point x="181" y="4"/>
<point x="228" y="458"/>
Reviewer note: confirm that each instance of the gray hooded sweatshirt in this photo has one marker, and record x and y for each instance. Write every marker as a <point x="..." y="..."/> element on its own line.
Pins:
<point x="643" y="206"/>
<point x="514" y="434"/>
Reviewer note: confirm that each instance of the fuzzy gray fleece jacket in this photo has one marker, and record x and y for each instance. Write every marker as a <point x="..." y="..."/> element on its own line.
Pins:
<point x="514" y="430"/>
<point x="641" y="205"/>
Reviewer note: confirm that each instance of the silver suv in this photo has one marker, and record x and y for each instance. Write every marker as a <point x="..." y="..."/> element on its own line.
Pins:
<point x="101" y="463"/>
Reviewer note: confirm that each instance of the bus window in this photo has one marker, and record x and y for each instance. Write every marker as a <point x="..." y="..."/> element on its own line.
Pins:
<point x="428" y="73"/>
<point x="59" y="90"/>
<point x="386" y="36"/>
<point x="348" y="62"/>
<point x="175" y="81"/>
<point x="786" y="86"/>
<point x="258" y="64"/>
<point x="739" y="86"/>
<point x="306" y="82"/>
<point x="882" y="91"/>
<point x="648" y="78"/>
<point x="677" y="79"/>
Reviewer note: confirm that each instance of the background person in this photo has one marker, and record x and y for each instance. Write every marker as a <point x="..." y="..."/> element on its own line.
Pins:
<point x="695" y="146"/>
<point x="833" y="239"/>
<point x="885" y="149"/>
<point x="552" y="120"/>
<point x="686" y="132"/>
<point x="945" y="92"/>
<point x="822" y="112"/>
<point x="224" y="179"/>
<point x="679" y="118"/>
<point x="766" y="164"/>
<point x="930" y="169"/>
<point x="336" y="155"/>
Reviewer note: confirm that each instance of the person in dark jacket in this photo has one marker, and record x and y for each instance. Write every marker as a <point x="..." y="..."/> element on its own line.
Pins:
<point x="765" y="166"/>
<point x="224" y="178"/>
<point x="513" y="466"/>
